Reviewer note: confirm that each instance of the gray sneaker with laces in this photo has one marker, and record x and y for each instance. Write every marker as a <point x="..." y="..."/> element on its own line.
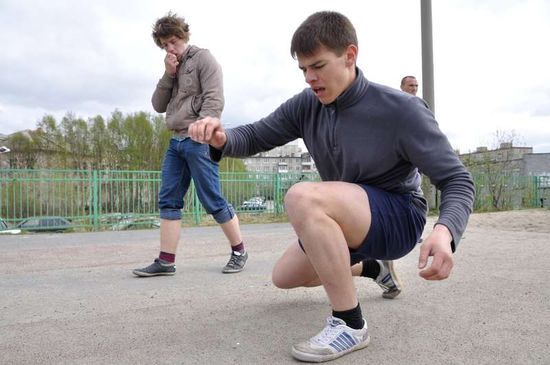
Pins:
<point x="236" y="262"/>
<point x="155" y="269"/>
<point x="335" y="340"/>
<point x="388" y="280"/>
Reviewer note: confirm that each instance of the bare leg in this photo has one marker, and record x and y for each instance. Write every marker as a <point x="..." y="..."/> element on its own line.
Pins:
<point x="328" y="217"/>
<point x="238" y="258"/>
<point x="232" y="231"/>
<point x="169" y="235"/>
<point x="169" y="239"/>
<point x="357" y="269"/>
<point x="294" y="270"/>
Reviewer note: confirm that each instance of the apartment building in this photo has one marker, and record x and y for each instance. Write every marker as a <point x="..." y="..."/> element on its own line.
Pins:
<point x="285" y="159"/>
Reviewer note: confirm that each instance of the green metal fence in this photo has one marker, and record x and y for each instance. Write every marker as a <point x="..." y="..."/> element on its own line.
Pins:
<point x="107" y="199"/>
<point x="506" y="192"/>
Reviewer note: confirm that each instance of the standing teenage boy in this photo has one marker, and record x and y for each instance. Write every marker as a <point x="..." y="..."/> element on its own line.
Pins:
<point x="191" y="88"/>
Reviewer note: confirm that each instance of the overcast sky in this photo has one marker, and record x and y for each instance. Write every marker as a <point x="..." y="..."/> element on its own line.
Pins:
<point x="491" y="58"/>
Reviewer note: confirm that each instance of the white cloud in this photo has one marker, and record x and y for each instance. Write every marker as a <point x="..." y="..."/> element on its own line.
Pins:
<point x="94" y="57"/>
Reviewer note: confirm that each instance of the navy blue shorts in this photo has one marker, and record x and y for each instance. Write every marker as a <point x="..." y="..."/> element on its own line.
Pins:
<point x="397" y="222"/>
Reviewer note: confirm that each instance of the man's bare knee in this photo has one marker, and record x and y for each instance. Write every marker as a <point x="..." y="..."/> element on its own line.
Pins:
<point x="301" y="196"/>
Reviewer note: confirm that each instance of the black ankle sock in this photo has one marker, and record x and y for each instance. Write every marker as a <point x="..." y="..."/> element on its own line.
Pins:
<point x="352" y="317"/>
<point x="371" y="269"/>
<point x="239" y="248"/>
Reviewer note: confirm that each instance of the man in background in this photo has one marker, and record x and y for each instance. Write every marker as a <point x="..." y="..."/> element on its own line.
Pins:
<point x="409" y="84"/>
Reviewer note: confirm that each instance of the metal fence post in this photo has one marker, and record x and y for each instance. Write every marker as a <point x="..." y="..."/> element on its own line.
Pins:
<point x="1" y="197"/>
<point x="95" y="200"/>
<point x="278" y="194"/>
<point x="536" y="195"/>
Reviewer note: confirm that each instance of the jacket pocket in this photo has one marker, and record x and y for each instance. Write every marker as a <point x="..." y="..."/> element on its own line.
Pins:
<point x="189" y="80"/>
<point x="196" y="104"/>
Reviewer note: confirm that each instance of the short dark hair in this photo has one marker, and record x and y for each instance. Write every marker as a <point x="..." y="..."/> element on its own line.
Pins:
<point x="405" y="79"/>
<point x="325" y="28"/>
<point x="170" y="25"/>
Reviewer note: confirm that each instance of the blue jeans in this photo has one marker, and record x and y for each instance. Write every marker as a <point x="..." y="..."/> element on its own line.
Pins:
<point x="184" y="160"/>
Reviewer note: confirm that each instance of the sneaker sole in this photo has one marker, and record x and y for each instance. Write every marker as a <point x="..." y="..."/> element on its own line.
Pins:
<point x="394" y="293"/>
<point x="308" y="357"/>
<point x="391" y="294"/>
<point x="232" y="271"/>
<point x="146" y="275"/>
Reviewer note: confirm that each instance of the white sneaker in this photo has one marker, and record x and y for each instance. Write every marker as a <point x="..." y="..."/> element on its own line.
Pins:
<point x="388" y="280"/>
<point x="335" y="340"/>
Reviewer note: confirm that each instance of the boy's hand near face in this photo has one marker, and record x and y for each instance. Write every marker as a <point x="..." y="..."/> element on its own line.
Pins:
<point x="171" y="63"/>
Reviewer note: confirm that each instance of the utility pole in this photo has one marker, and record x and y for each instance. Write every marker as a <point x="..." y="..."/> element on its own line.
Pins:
<point x="427" y="53"/>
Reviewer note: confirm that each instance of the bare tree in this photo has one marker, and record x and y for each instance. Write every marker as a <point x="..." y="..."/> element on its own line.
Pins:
<point x="494" y="168"/>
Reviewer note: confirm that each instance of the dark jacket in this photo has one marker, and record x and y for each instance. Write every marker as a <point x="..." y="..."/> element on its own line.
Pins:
<point x="372" y="134"/>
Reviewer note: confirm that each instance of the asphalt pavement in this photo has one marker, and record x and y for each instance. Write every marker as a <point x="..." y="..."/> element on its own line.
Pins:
<point x="72" y="299"/>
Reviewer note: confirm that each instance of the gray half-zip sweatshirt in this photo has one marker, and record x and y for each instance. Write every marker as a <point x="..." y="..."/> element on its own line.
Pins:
<point x="372" y="134"/>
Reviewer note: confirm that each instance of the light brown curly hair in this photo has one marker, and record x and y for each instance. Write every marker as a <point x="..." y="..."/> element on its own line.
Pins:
<point x="170" y="25"/>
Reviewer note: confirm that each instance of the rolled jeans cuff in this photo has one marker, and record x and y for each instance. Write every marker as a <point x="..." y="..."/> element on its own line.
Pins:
<point x="224" y="215"/>
<point x="170" y="214"/>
